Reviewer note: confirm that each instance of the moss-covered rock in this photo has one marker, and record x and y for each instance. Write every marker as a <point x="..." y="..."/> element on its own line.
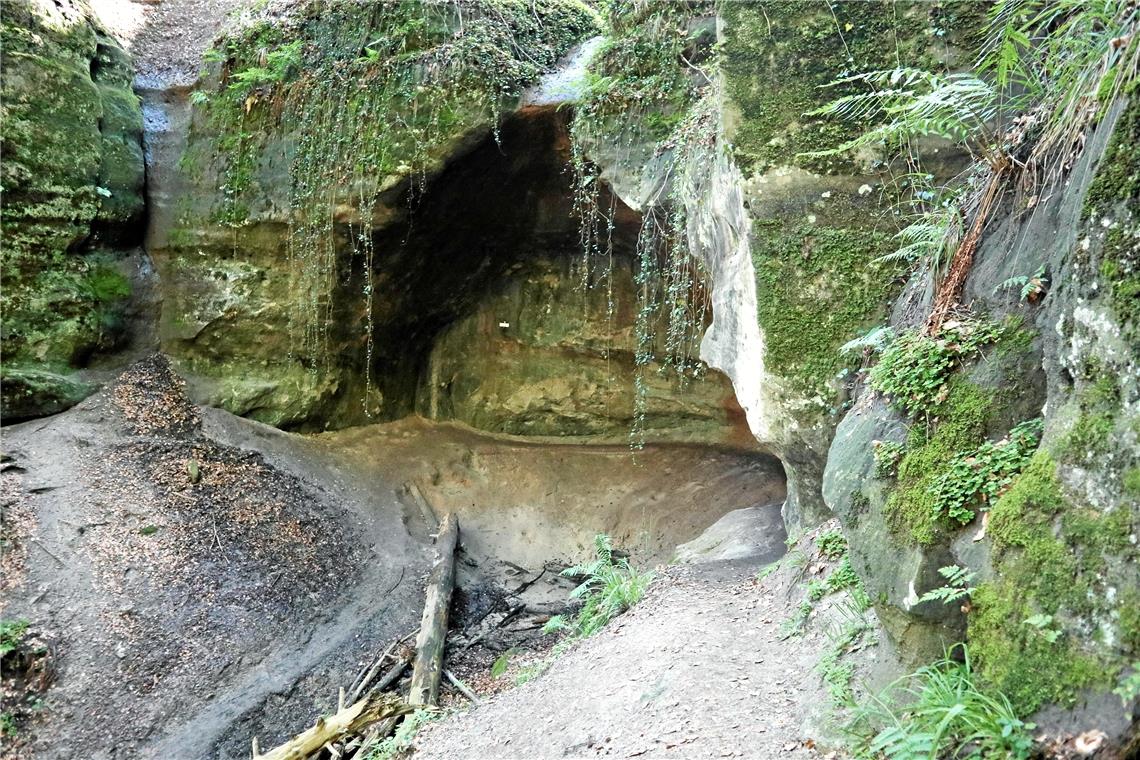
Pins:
<point x="819" y="225"/>
<point x="72" y="178"/>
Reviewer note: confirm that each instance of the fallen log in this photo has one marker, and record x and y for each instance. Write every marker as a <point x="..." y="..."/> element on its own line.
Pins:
<point x="352" y="719"/>
<point x="428" y="664"/>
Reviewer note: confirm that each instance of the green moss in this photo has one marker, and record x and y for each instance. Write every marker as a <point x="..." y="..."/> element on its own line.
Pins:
<point x="1118" y="174"/>
<point x="912" y="508"/>
<point x="1050" y="557"/>
<point x="1088" y="439"/>
<point x="1016" y="659"/>
<point x="1131" y="482"/>
<point x="817" y="286"/>
<point x="804" y="47"/>
<point x="1115" y="194"/>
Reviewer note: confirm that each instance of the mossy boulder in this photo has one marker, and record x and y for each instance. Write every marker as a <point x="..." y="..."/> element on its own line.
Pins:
<point x="73" y="182"/>
<point x="29" y="393"/>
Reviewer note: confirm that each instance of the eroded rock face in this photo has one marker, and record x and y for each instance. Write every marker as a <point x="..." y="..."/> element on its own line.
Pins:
<point x="814" y="225"/>
<point x="303" y="287"/>
<point x="544" y="356"/>
<point x="73" y="179"/>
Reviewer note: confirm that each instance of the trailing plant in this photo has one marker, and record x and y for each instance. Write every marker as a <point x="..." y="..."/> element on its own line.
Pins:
<point x="958" y="580"/>
<point x="658" y="106"/>
<point x="914" y="368"/>
<point x="610" y="587"/>
<point x="939" y="711"/>
<point x="366" y="95"/>
<point x="982" y="475"/>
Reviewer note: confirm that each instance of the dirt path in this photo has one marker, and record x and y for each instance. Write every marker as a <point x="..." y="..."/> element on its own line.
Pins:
<point x="697" y="670"/>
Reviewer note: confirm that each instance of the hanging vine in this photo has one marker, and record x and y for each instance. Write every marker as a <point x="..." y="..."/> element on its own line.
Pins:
<point x="361" y="99"/>
<point x="652" y="104"/>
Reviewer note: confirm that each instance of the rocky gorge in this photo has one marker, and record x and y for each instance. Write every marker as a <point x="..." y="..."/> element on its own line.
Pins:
<point x="284" y="287"/>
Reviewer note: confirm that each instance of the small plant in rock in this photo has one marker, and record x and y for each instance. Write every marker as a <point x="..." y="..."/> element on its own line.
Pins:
<point x="401" y="742"/>
<point x="1030" y="287"/>
<point x="1043" y="625"/>
<point x="1128" y="688"/>
<point x="611" y="587"/>
<point x="958" y="580"/>
<point x="940" y="711"/>
<point x="914" y="368"/>
<point x="11" y="634"/>
<point x="887" y="456"/>
<point x="831" y="544"/>
<point x="836" y="672"/>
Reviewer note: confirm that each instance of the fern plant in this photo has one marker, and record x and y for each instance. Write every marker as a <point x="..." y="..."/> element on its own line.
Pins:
<point x="958" y="580"/>
<point x="611" y="587"/>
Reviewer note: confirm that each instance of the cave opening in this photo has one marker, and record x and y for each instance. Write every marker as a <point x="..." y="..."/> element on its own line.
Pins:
<point x="506" y="376"/>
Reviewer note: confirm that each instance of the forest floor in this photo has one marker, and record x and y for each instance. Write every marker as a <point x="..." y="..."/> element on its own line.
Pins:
<point x="193" y="579"/>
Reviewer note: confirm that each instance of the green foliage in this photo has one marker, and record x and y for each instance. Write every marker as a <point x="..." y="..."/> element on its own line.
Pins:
<point x="502" y="662"/>
<point x="11" y="634"/>
<point x="911" y="507"/>
<point x="403" y="740"/>
<point x="610" y="588"/>
<point x="837" y="673"/>
<point x="1128" y="688"/>
<point x="940" y="711"/>
<point x="907" y="103"/>
<point x="1054" y="64"/>
<point x="8" y="724"/>
<point x="277" y="66"/>
<point x="958" y="580"/>
<point x="1043" y="625"/>
<point x="984" y="473"/>
<point x="933" y="237"/>
<point x="1030" y="287"/>
<point x="831" y="544"/>
<point x="887" y="455"/>
<point x="795" y="625"/>
<point x="914" y="369"/>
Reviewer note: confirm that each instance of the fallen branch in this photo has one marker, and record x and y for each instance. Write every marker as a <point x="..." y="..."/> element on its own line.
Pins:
<point x="950" y="290"/>
<point x="464" y="689"/>
<point x="347" y="720"/>
<point x="428" y="664"/>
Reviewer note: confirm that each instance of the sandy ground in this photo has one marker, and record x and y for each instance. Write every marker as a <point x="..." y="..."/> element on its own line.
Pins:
<point x="699" y="669"/>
